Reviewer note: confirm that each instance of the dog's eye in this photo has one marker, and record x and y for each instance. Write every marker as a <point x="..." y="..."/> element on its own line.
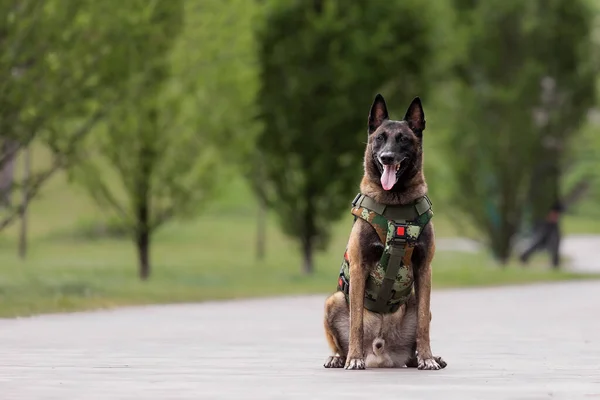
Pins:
<point x="380" y="137"/>
<point x="403" y="139"/>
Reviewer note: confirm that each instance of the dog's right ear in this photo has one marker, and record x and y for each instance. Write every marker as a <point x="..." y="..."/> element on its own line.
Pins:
<point x="378" y="113"/>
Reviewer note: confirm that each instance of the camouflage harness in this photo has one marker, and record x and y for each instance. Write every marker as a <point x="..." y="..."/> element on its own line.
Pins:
<point x="390" y="284"/>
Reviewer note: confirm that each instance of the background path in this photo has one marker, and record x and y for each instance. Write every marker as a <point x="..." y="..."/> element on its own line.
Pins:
<point x="581" y="251"/>
<point x="534" y="342"/>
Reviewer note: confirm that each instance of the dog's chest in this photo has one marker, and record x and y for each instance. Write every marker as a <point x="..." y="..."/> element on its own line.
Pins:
<point x="390" y="282"/>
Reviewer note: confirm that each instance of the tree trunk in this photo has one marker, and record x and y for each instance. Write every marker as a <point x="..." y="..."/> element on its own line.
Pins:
<point x="307" y="254"/>
<point x="501" y="248"/>
<point x="261" y="228"/>
<point x="146" y="160"/>
<point x="7" y="171"/>
<point x="25" y="204"/>
<point x="502" y="238"/>
<point x="143" y="247"/>
<point x="308" y="233"/>
<point x="143" y="241"/>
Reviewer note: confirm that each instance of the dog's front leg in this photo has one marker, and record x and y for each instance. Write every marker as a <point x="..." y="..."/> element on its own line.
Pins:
<point x="358" y="276"/>
<point x="425" y="358"/>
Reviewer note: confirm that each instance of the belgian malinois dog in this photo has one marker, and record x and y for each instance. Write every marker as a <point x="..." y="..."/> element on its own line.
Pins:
<point x="393" y="178"/>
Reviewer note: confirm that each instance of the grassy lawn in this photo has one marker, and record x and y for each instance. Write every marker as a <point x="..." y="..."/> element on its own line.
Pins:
<point x="70" y="275"/>
<point x="195" y="260"/>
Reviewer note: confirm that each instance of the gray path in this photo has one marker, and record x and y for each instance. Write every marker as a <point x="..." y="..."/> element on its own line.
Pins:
<point x="582" y="251"/>
<point x="535" y="342"/>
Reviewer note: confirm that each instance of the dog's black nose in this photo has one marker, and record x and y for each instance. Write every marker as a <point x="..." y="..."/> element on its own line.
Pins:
<point x="387" y="158"/>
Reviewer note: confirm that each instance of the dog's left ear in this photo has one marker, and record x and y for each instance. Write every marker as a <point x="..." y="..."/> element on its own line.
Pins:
<point x="416" y="117"/>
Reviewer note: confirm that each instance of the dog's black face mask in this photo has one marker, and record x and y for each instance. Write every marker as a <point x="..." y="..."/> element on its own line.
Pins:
<point x="395" y="145"/>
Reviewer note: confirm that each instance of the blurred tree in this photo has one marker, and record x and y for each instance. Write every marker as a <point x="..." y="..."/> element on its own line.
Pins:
<point x="527" y="81"/>
<point x="184" y="120"/>
<point x="321" y="63"/>
<point x="62" y="64"/>
<point x="131" y="138"/>
<point x="582" y="164"/>
<point x="8" y="154"/>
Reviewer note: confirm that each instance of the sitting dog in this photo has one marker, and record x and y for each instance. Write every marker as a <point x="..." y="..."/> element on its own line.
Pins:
<point x="380" y="314"/>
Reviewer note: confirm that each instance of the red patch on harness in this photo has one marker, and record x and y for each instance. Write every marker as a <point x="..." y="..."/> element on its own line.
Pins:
<point x="400" y="231"/>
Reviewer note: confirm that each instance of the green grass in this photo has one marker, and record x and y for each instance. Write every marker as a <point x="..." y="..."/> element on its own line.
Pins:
<point x="69" y="276"/>
<point x="193" y="260"/>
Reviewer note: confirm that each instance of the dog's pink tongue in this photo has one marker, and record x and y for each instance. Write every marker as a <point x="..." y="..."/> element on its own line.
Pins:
<point x="388" y="178"/>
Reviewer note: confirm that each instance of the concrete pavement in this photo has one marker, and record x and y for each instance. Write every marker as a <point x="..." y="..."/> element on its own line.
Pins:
<point x="581" y="251"/>
<point x="533" y="342"/>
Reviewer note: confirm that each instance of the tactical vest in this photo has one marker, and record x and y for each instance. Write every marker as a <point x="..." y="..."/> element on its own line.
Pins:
<point x="390" y="284"/>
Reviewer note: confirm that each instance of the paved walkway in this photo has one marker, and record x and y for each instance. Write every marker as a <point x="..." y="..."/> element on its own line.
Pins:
<point x="582" y="251"/>
<point x="534" y="342"/>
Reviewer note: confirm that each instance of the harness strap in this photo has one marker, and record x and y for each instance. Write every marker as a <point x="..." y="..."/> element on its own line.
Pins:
<point x="395" y="262"/>
<point x="382" y="294"/>
<point x="400" y="254"/>
<point x="393" y="213"/>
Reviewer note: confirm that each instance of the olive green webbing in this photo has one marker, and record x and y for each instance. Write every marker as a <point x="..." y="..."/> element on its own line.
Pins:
<point x="400" y="253"/>
<point x="395" y="213"/>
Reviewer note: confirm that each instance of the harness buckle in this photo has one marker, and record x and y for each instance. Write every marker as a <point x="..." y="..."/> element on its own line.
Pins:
<point x="343" y="284"/>
<point x="356" y="198"/>
<point x="401" y="235"/>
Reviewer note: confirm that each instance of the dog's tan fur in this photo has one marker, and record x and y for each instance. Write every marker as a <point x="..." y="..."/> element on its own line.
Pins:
<point x="355" y="333"/>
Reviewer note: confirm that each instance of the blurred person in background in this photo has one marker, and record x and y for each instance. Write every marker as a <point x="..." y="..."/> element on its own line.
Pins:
<point x="547" y="236"/>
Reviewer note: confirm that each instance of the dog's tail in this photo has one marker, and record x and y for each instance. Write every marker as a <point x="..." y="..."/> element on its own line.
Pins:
<point x="378" y="346"/>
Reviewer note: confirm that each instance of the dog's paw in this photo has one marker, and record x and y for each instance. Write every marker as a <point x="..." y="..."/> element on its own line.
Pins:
<point x="443" y="364"/>
<point x="335" y="362"/>
<point x="433" y="363"/>
<point x="355" y="363"/>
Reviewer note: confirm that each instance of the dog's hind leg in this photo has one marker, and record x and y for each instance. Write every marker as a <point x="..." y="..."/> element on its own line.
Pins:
<point x="336" y="324"/>
<point x="412" y="361"/>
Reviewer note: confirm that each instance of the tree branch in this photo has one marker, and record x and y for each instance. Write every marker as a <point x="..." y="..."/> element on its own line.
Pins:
<point x="162" y="217"/>
<point x="32" y="191"/>
<point x="60" y="162"/>
<point x="577" y="192"/>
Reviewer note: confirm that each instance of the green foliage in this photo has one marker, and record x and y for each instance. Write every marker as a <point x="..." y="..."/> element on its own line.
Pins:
<point x="182" y="123"/>
<point x="215" y="59"/>
<point x="63" y="67"/>
<point x="321" y="63"/>
<point x="61" y="61"/>
<point x="582" y="162"/>
<point x="132" y="139"/>
<point x="526" y="84"/>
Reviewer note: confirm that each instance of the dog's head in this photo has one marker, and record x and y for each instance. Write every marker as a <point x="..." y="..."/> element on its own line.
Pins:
<point x="394" y="150"/>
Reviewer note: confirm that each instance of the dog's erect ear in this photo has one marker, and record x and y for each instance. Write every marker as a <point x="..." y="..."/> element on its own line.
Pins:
<point x="415" y="117"/>
<point x="378" y="113"/>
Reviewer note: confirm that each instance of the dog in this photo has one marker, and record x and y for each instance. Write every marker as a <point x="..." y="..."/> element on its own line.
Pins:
<point x="394" y="181"/>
